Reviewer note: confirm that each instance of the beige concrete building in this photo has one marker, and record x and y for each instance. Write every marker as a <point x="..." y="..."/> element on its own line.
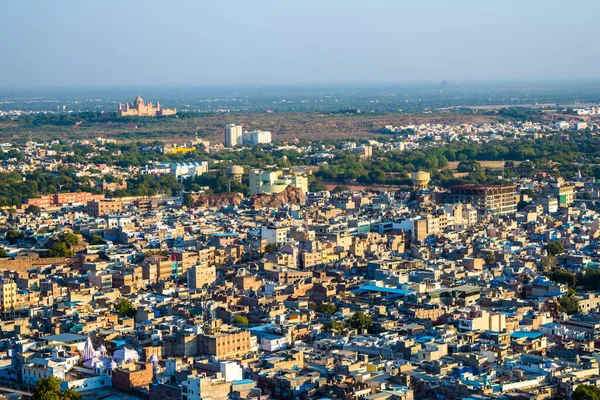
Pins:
<point x="482" y="320"/>
<point x="273" y="182"/>
<point x="200" y="275"/>
<point x="100" y="208"/>
<point x="225" y="345"/>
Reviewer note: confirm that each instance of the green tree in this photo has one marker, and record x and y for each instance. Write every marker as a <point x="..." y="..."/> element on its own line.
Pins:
<point x="335" y="327"/>
<point x="548" y="262"/>
<point x="317" y="185"/>
<point x="360" y="321"/>
<point x="63" y="245"/>
<point x="340" y="188"/>
<point x="569" y="304"/>
<point x="271" y="248"/>
<point x="586" y="392"/>
<point x="240" y="320"/>
<point x="125" y="308"/>
<point x="490" y="258"/>
<point x="49" y="389"/>
<point x="561" y="275"/>
<point x="3" y="253"/>
<point x="31" y="209"/>
<point x="522" y="204"/>
<point x="96" y="239"/>
<point x="327" y="308"/>
<point x="59" y="249"/>
<point x="188" y="201"/>
<point x="70" y="239"/>
<point x="555" y="248"/>
<point x="14" y="235"/>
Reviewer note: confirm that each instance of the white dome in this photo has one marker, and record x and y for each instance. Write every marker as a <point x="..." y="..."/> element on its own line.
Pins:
<point x="126" y="355"/>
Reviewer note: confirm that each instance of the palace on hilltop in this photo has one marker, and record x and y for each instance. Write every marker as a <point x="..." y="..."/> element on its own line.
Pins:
<point x="141" y="109"/>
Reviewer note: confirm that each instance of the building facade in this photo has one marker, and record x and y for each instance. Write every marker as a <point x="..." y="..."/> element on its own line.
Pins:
<point x="233" y="135"/>
<point x="100" y="208"/>
<point x="139" y="108"/>
<point x="273" y="182"/>
<point x="254" y="138"/>
<point x="487" y="199"/>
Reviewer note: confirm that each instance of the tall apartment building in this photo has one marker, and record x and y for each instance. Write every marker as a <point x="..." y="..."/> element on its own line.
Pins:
<point x="233" y="135"/>
<point x="564" y="193"/>
<point x="487" y="199"/>
<point x="273" y="182"/>
<point x="8" y="294"/>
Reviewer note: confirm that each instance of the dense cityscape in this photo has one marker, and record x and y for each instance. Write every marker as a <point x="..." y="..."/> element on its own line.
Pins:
<point x="255" y="268"/>
<point x="299" y="200"/>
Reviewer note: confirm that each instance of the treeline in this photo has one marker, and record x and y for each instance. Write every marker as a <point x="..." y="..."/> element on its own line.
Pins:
<point x="15" y="188"/>
<point x="71" y="119"/>
<point x="393" y="167"/>
<point x="589" y="280"/>
<point x="520" y="114"/>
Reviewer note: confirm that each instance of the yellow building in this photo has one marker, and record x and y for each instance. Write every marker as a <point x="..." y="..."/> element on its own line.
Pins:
<point x="273" y="182"/>
<point x="8" y="294"/>
<point x="139" y="108"/>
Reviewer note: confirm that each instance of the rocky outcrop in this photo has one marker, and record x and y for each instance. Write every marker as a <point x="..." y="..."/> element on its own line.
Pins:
<point x="291" y="195"/>
<point x="217" y="200"/>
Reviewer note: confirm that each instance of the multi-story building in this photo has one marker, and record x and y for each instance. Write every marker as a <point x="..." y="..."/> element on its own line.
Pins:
<point x="233" y="135"/>
<point x="132" y="376"/>
<point x="482" y="320"/>
<point x="8" y="294"/>
<point x="61" y="199"/>
<point x="254" y="138"/>
<point x="364" y="151"/>
<point x="224" y="345"/>
<point x="100" y="208"/>
<point x="273" y="182"/>
<point x="198" y="387"/>
<point x="274" y="234"/>
<point x="487" y="199"/>
<point x="200" y="275"/>
<point x="564" y="193"/>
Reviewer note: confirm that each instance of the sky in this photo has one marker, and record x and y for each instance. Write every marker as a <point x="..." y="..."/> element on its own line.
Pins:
<point x="111" y="43"/>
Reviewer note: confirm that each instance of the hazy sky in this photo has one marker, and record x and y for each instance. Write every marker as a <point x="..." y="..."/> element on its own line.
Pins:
<point x="255" y="42"/>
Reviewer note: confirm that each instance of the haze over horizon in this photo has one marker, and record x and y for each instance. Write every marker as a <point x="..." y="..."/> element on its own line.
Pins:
<point x="68" y="43"/>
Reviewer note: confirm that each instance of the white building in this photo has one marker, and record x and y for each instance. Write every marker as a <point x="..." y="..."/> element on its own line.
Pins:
<point x="185" y="170"/>
<point x="233" y="135"/>
<point x="274" y="234"/>
<point x="231" y="371"/>
<point x="42" y="368"/>
<point x="254" y="138"/>
<point x="272" y="343"/>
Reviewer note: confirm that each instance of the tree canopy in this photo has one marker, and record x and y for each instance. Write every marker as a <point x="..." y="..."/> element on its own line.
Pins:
<point x="49" y="389"/>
